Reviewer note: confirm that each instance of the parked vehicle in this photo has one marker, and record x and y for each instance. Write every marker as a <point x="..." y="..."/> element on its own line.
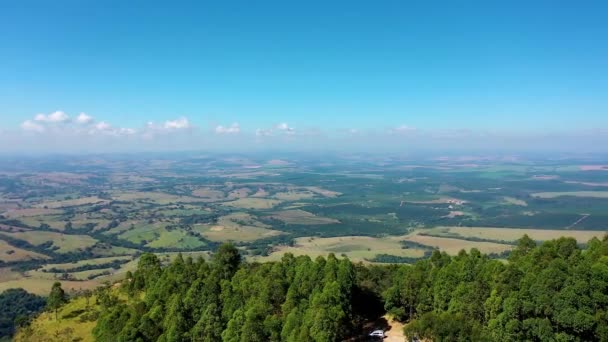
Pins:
<point x="377" y="333"/>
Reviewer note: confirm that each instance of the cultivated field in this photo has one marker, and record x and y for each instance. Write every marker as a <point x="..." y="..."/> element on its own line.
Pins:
<point x="294" y="195"/>
<point x="160" y="235"/>
<point x="17" y="213"/>
<point x="175" y="238"/>
<point x="85" y="262"/>
<point x="63" y="242"/>
<point x="515" y="201"/>
<point x="53" y="221"/>
<point x="240" y="227"/>
<point x="357" y="248"/>
<point x="153" y="197"/>
<point x="72" y="202"/>
<point x="513" y="234"/>
<point x="362" y="206"/>
<point x="593" y="194"/>
<point x="453" y="246"/>
<point x="253" y="203"/>
<point x="301" y="217"/>
<point x="42" y="286"/>
<point x="10" y="253"/>
<point x="209" y="193"/>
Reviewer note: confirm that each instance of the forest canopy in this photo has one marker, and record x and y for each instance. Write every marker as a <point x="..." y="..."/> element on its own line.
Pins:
<point x="556" y="291"/>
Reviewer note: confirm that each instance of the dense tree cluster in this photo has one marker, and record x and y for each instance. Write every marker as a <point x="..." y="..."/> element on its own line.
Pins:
<point x="553" y="292"/>
<point x="16" y="308"/>
<point x="296" y="299"/>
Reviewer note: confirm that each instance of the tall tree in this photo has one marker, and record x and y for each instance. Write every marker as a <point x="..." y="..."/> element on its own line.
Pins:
<point x="56" y="298"/>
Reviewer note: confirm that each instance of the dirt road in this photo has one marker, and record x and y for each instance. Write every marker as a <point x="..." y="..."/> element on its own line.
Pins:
<point x="395" y="334"/>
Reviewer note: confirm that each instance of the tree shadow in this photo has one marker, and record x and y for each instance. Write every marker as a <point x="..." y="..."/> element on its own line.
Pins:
<point x="368" y="309"/>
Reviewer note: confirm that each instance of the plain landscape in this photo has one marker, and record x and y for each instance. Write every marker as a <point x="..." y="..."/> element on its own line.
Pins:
<point x="85" y="220"/>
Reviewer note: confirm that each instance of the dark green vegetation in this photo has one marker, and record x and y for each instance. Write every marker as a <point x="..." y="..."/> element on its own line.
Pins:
<point x="56" y="298"/>
<point x="296" y="299"/>
<point x="553" y="292"/>
<point x="16" y="308"/>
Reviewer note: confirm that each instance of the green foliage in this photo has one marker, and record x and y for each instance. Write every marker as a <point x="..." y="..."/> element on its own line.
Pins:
<point x="296" y="299"/>
<point x="56" y="299"/>
<point x="551" y="292"/>
<point x="16" y="308"/>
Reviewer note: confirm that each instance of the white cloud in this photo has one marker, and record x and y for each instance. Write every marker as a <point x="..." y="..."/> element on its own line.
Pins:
<point x="232" y="129"/>
<point x="103" y="126"/>
<point x="403" y="129"/>
<point x="84" y="119"/>
<point x="283" y="126"/>
<point x="55" y="117"/>
<point x="126" y="131"/>
<point x="263" y="132"/>
<point x="32" y="126"/>
<point x="181" y="123"/>
<point x="151" y="129"/>
<point x="278" y="129"/>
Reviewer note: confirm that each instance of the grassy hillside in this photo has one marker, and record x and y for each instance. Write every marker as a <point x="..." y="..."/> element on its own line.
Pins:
<point x="76" y="323"/>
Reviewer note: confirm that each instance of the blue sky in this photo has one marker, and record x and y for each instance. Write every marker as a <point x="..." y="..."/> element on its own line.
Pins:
<point x="304" y="68"/>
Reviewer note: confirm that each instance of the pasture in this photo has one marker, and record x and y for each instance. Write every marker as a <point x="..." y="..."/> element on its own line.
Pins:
<point x="513" y="234"/>
<point x="239" y="227"/>
<point x="9" y="253"/>
<point x="294" y="195"/>
<point x="453" y="246"/>
<point x="68" y="328"/>
<point x="25" y="212"/>
<point x="555" y="194"/>
<point x="175" y="238"/>
<point x="210" y="194"/>
<point x="515" y="201"/>
<point x="64" y="243"/>
<point x="253" y="203"/>
<point x="356" y="248"/>
<point x="298" y="216"/>
<point x="92" y="200"/>
<point x="85" y="262"/>
<point x="42" y="286"/>
<point x="153" y="197"/>
<point x="361" y="205"/>
<point x="53" y="221"/>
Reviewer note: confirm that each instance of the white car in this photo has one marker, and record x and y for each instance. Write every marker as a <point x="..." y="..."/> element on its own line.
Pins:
<point x="377" y="333"/>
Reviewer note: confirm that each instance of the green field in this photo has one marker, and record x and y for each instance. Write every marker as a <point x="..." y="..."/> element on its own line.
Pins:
<point x="356" y="248"/>
<point x="453" y="246"/>
<point x="513" y="234"/>
<point x="94" y="262"/>
<point x="93" y="200"/>
<point x="253" y="203"/>
<point x="301" y="217"/>
<point x="9" y="253"/>
<point x="240" y="227"/>
<point x="359" y="206"/>
<point x="175" y="239"/>
<point x="63" y="243"/>
<point x="592" y="194"/>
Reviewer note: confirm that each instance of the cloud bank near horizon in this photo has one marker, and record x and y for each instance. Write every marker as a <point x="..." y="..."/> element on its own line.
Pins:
<point x="59" y="132"/>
